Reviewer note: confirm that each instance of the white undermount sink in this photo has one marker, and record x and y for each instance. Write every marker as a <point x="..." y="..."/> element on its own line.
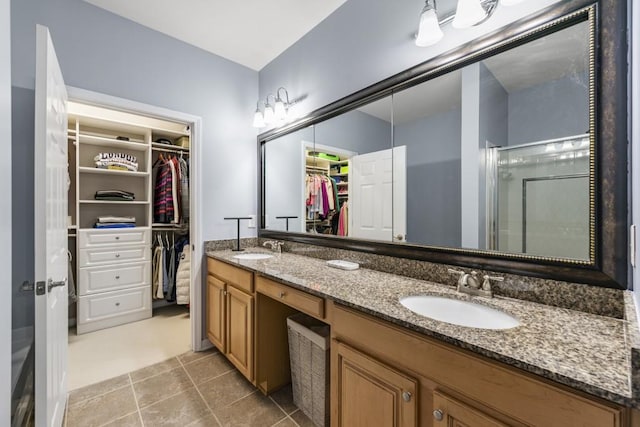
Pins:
<point x="458" y="312"/>
<point x="253" y="256"/>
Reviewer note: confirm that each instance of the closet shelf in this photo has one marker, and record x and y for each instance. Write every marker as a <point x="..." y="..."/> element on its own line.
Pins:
<point x="171" y="226"/>
<point x="112" y="143"/>
<point x="339" y="174"/>
<point x="85" y="169"/>
<point x="342" y="183"/>
<point x="114" y="202"/>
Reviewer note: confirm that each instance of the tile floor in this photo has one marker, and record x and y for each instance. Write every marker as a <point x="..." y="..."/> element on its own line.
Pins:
<point x="108" y="353"/>
<point x="190" y="390"/>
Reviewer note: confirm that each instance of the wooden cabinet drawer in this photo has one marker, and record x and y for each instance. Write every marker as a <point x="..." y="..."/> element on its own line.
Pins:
<point x="307" y="303"/>
<point x="241" y="279"/>
<point x="112" y="277"/>
<point x="109" y="305"/>
<point x="134" y="236"/>
<point x="112" y="255"/>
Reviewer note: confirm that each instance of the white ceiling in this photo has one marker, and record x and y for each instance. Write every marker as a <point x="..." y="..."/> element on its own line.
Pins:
<point x="249" y="32"/>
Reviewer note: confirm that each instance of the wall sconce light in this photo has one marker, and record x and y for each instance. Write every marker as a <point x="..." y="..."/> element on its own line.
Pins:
<point x="273" y="113"/>
<point x="468" y="14"/>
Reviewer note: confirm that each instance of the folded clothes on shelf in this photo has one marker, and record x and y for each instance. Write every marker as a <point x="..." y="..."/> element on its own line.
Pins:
<point x="118" y="161"/>
<point x="110" y="219"/>
<point x="115" y="225"/>
<point x="114" y="195"/>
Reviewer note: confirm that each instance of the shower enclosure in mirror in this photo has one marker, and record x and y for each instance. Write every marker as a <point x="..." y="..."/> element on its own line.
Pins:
<point x="507" y="154"/>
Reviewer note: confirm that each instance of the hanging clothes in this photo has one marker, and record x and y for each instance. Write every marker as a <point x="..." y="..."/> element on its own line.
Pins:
<point x="343" y="221"/>
<point x="184" y="188"/>
<point x="163" y="208"/>
<point x="183" y="277"/>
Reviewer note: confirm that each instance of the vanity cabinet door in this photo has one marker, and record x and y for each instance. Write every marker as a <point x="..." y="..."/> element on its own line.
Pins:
<point x="369" y="393"/>
<point x="216" y="313"/>
<point x="448" y="412"/>
<point x="240" y="330"/>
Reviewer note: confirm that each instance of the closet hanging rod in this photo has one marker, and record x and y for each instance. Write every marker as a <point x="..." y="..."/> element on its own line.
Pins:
<point x="169" y="150"/>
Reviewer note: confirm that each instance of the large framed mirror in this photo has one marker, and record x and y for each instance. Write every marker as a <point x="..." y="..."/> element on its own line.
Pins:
<point x="501" y="155"/>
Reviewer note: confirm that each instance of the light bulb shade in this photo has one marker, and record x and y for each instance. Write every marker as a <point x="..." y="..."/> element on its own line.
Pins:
<point x="280" y="111"/>
<point x="509" y="2"/>
<point x="468" y="14"/>
<point x="429" y="31"/>
<point x="258" y="119"/>
<point x="268" y="114"/>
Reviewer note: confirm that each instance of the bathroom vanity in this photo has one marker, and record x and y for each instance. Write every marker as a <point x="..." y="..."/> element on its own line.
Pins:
<point x="392" y="367"/>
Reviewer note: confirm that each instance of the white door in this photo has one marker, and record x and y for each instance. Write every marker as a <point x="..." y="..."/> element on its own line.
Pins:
<point x="377" y="199"/>
<point x="51" y="186"/>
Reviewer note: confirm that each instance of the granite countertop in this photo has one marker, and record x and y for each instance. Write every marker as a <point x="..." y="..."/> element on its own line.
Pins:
<point x="584" y="351"/>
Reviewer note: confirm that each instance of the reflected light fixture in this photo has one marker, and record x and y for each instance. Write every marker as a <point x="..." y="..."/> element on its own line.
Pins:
<point x="258" y="118"/>
<point x="468" y="13"/>
<point x="273" y="113"/>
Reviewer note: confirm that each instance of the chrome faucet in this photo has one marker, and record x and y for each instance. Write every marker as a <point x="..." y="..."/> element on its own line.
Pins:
<point x="275" y="245"/>
<point x="468" y="283"/>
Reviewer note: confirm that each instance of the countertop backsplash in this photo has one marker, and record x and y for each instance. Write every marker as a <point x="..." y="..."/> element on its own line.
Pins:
<point x="573" y="296"/>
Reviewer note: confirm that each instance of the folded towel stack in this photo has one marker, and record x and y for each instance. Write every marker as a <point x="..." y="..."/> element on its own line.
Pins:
<point x="111" y="221"/>
<point x="116" y="161"/>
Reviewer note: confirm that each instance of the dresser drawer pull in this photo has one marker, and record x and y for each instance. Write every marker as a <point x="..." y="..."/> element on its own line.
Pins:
<point x="117" y="304"/>
<point x="117" y="255"/>
<point x="282" y="294"/>
<point x="117" y="237"/>
<point x="117" y="277"/>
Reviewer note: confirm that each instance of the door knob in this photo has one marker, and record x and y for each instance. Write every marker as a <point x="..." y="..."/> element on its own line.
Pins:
<point x="399" y="237"/>
<point x="438" y="415"/>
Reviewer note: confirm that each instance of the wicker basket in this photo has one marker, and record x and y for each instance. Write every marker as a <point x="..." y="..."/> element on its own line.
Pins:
<point x="308" y="351"/>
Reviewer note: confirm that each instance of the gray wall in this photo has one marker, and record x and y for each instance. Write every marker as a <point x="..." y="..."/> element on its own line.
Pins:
<point x="433" y="178"/>
<point x="363" y="42"/>
<point x="533" y="118"/>
<point x="355" y="131"/>
<point x="5" y="215"/>
<point x="102" y="52"/>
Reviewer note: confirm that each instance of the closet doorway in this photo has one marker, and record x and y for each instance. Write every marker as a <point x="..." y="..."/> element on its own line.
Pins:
<point x="134" y="236"/>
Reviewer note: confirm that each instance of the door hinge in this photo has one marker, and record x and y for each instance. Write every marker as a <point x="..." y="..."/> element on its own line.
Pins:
<point x="41" y="288"/>
<point x="632" y="245"/>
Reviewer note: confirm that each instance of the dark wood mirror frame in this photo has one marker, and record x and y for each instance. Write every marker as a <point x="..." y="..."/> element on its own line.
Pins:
<point x="610" y="261"/>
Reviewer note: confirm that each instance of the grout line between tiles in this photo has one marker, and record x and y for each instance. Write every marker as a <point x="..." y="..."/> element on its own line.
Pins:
<point x="290" y="417"/>
<point x="215" y="417"/>
<point x="119" y="418"/>
<point x="135" y="399"/>
<point x="94" y="397"/>
<point x="278" y="405"/>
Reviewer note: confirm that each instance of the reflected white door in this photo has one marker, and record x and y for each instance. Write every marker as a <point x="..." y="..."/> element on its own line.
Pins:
<point x="377" y="199"/>
<point x="51" y="262"/>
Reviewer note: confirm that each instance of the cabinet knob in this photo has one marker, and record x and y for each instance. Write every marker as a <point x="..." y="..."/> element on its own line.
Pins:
<point x="117" y="255"/>
<point x="117" y="277"/>
<point x="117" y="237"/>
<point x="406" y="396"/>
<point x="438" y="415"/>
<point x="224" y="293"/>
<point x="282" y="294"/>
<point x="117" y="304"/>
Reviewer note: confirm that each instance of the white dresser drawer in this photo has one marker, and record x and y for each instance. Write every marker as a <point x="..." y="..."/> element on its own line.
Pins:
<point x="112" y="277"/>
<point x="114" y="306"/>
<point x="113" y="255"/>
<point x="121" y="236"/>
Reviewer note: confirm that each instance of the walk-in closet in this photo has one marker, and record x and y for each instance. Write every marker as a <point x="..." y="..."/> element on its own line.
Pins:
<point x="129" y="240"/>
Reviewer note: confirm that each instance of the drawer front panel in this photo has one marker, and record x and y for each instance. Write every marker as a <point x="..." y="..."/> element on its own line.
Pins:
<point x="112" y="304"/>
<point x="98" y="256"/>
<point x="241" y="279"/>
<point x="109" y="278"/>
<point x="93" y="238"/>
<point x="307" y="303"/>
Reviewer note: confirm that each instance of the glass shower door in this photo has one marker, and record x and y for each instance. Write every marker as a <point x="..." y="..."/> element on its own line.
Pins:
<point x="542" y="198"/>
